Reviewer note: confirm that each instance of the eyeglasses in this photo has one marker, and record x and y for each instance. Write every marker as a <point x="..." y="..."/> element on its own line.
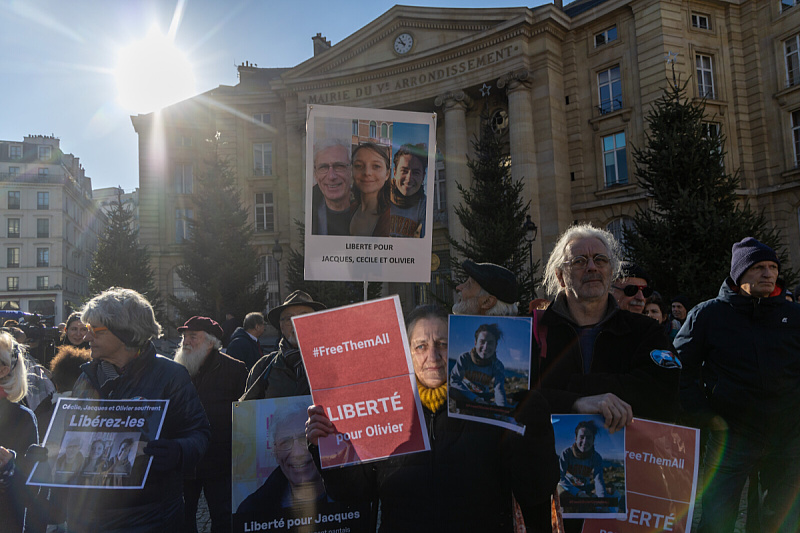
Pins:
<point x="285" y="444"/>
<point x="95" y="330"/>
<point x="324" y="168"/>
<point x="631" y="290"/>
<point x="582" y="261"/>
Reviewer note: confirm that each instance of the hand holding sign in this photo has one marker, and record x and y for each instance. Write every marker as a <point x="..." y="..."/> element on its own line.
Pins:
<point x="318" y="425"/>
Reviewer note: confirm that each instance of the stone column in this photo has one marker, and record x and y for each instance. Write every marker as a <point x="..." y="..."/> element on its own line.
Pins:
<point x="295" y="186"/>
<point x="455" y="105"/>
<point x="521" y="141"/>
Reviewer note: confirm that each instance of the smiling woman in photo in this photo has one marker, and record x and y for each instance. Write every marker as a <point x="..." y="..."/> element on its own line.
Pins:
<point x="372" y="191"/>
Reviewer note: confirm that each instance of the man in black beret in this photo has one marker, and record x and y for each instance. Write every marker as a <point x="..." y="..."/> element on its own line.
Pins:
<point x="740" y="352"/>
<point x="489" y="290"/>
<point x="219" y="380"/>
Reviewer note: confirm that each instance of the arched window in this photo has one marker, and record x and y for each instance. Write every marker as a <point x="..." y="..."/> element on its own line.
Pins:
<point x="373" y="129"/>
<point x="384" y="130"/>
<point x="616" y="228"/>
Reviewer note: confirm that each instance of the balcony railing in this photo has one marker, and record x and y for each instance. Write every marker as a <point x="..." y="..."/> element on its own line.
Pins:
<point x="607" y="106"/>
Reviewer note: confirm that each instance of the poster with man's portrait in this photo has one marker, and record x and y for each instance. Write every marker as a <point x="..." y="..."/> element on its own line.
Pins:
<point x="275" y="483"/>
<point x="99" y="443"/>
<point x="370" y="177"/>
<point x="488" y="367"/>
<point x="592" y="464"/>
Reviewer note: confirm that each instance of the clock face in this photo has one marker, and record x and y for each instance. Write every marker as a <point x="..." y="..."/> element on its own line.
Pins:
<point x="403" y="43"/>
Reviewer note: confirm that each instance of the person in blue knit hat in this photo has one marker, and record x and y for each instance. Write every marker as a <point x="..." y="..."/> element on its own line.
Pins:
<point x="742" y="373"/>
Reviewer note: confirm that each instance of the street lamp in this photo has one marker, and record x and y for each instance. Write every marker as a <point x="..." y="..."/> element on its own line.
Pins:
<point x="530" y="235"/>
<point x="277" y="255"/>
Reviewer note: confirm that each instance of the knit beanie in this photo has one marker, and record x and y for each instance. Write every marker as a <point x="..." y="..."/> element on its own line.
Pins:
<point x="747" y="253"/>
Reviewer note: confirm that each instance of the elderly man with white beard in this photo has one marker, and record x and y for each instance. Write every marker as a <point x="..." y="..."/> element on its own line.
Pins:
<point x="219" y="380"/>
<point x="489" y="290"/>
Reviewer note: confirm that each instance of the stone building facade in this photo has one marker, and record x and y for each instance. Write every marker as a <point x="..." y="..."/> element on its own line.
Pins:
<point x="569" y="87"/>
<point x="49" y="225"/>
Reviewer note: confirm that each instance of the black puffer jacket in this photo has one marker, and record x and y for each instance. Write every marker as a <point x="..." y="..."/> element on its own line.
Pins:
<point x="159" y="505"/>
<point x="278" y="375"/>
<point x="465" y="482"/>
<point x="748" y="351"/>
<point x="623" y="363"/>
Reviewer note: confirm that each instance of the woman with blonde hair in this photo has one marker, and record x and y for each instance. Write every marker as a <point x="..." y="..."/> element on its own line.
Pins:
<point x="17" y="432"/>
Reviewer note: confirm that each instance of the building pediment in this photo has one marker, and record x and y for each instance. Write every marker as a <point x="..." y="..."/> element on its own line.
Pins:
<point x="443" y="42"/>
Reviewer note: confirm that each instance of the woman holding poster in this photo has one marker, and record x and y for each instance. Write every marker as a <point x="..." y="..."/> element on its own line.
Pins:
<point x="372" y="191"/>
<point x="466" y="480"/>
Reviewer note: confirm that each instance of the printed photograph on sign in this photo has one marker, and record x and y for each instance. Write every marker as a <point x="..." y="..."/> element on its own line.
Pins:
<point x="99" y="443"/>
<point x="489" y="367"/>
<point x="368" y="194"/>
<point x="274" y="478"/>
<point x="592" y="464"/>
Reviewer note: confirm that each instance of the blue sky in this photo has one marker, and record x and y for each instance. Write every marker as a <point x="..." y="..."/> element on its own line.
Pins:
<point x="59" y="58"/>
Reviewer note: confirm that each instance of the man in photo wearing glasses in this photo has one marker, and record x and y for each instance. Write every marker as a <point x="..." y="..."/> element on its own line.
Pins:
<point x="632" y="288"/>
<point x="591" y="357"/>
<point x="331" y="195"/>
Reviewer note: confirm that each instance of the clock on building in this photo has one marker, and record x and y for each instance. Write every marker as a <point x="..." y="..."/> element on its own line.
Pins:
<point x="403" y="43"/>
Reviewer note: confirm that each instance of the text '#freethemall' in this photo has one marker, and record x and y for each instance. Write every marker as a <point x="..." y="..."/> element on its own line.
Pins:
<point x="346" y="346"/>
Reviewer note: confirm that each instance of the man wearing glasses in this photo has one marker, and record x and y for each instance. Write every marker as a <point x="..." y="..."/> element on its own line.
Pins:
<point x="632" y="288"/>
<point x="333" y="177"/>
<point x="591" y="358"/>
<point x="282" y="373"/>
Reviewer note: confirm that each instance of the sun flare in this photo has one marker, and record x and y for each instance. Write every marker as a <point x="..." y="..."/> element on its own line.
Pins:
<point x="152" y="73"/>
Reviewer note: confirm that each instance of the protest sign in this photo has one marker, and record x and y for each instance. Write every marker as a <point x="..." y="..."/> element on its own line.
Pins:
<point x="489" y="361"/>
<point x="369" y="194"/>
<point x="661" y="461"/>
<point x="99" y="443"/>
<point x="592" y="464"/>
<point x="275" y="484"/>
<point x="360" y="371"/>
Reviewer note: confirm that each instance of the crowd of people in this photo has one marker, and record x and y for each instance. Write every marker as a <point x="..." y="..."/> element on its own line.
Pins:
<point x="606" y="343"/>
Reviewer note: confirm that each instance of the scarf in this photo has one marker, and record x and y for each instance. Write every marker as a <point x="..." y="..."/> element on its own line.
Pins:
<point x="403" y="201"/>
<point x="581" y="455"/>
<point x="432" y="399"/>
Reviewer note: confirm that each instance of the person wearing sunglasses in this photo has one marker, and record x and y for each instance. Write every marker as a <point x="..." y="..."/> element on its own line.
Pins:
<point x="632" y="288"/>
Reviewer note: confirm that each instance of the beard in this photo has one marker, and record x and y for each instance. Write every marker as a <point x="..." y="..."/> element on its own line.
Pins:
<point x="192" y="359"/>
<point x="466" y="307"/>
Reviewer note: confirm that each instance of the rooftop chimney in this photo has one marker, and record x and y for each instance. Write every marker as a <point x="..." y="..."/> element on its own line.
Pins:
<point x="321" y="44"/>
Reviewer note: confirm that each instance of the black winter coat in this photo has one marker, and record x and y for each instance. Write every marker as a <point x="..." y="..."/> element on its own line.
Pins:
<point x="159" y="505"/>
<point x="465" y="482"/>
<point x="244" y="348"/>
<point x="748" y="350"/>
<point x="623" y="363"/>
<point x="278" y="375"/>
<point x="17" y="432"/>
<point x="219" y="382"/>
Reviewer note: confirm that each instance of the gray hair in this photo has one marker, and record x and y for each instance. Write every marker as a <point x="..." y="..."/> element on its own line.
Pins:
<point x="429" y="311"/>
<point x="252" y="320"/>
<point x="12" y="355"/>
<point x="500" y="308"/>
<point x="123" y="310"/>
<point x="216" y="344"/>
<point x="288" y="414"/>
<point x="324" y="144"/>
<point x="555" y="265"/>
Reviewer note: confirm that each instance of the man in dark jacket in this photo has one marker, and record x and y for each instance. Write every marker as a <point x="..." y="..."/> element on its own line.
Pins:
<point x="282" y="373"/>
<point x="125" y="365"/>
<point x="599" y="359"/>
<point x="219" y="380"/>
<point x="743" y="349"/>
<point x="244" y="344"/>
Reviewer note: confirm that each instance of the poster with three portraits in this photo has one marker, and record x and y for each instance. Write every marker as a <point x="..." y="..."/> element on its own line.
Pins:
<point x="369" y="194"/>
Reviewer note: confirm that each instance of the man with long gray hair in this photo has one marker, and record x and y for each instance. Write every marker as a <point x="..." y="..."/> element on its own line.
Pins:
<point x="596" y="359"/>
<point x="219" y="380"/>
<point x="121" y="326"/>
